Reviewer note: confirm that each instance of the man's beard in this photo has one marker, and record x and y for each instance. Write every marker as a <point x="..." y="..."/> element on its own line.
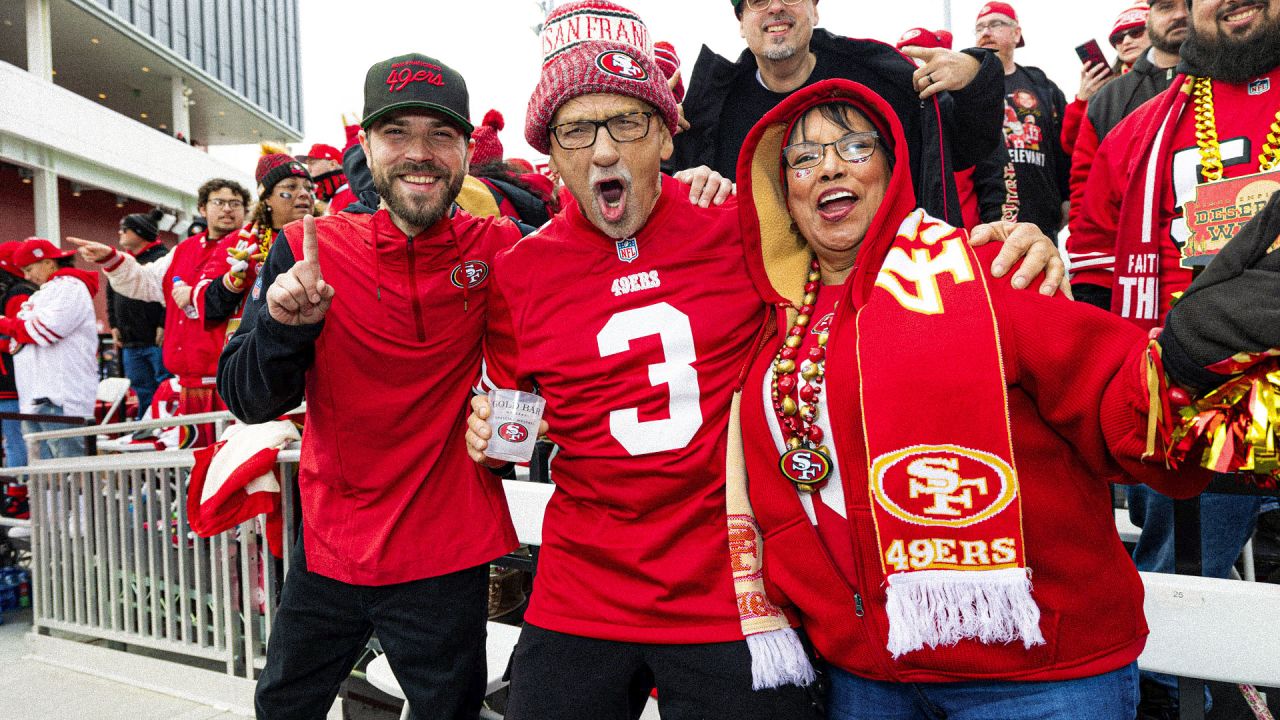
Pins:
<point x="1162" y="42"/>
<point x="422" y="214"/>
<point x="1211" y="53"/>
<point x="780" y="52"/>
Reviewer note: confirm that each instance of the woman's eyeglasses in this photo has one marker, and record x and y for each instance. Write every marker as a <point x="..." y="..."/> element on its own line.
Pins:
<point x="854" y="147"/>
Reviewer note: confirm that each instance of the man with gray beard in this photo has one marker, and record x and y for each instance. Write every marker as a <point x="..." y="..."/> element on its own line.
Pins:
<point x="950" y="106"/>
<point x="377" y="321"/>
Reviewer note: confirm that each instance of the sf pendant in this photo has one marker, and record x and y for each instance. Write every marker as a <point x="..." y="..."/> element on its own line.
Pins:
<point x="807" y="462"/>
<point x="806" y="468"/>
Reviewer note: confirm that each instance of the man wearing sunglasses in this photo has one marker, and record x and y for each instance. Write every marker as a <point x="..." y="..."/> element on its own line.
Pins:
<point x="1032" y="168"/>
<point x="949" y="105"/>
<point x="1166" y="27"/>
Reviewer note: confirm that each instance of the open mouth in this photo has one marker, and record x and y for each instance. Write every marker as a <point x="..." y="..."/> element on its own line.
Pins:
<point x="1241" y="16"/>
<point x="611" y="196"/>
<point x="836" y="204"/>
<point x="778" y="28"/>
<point x="419" y="182"/>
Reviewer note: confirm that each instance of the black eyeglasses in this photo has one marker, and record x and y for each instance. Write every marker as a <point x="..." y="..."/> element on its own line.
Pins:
<point x="854" y="147"/>
<point x="624" y="128"/>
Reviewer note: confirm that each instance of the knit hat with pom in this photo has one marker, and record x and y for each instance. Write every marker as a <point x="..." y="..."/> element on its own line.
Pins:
<point x="146" y="226"/>
<point x="488" y="147"/>
<point x="669" y="62"/>
<point x="598" y="67"/>
<point x="275" y="167"/>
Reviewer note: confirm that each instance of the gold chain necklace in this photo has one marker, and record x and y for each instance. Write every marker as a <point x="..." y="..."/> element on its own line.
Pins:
<point x="1207" y="134"/>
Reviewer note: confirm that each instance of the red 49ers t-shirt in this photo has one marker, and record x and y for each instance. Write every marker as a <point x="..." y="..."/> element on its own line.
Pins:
<point x="1243" y="113"/>
<point x="637" y="350"/>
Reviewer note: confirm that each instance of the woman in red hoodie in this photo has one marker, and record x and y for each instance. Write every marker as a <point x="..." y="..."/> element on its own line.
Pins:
<point x="929" y="452"/>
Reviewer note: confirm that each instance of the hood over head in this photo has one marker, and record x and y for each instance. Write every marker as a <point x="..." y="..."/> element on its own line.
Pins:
<point x="777" y="256"/>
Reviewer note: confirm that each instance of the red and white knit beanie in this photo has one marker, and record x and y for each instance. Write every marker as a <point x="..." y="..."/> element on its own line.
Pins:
<point x="586" y="21"/>
<point x="669" y="62"/>
<point x="1132" y="17"/>
<point x="596" y="67"/>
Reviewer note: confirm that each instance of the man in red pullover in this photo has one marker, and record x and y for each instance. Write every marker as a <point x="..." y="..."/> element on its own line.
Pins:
<point x="377" y="320"/>
<point x="190" y="349"/>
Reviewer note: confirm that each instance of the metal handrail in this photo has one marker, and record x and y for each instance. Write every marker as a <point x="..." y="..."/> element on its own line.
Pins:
<point x="136" y="425"/>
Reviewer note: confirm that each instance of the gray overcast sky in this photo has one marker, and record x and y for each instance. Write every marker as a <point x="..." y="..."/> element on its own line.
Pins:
<point x="492" y="44"/>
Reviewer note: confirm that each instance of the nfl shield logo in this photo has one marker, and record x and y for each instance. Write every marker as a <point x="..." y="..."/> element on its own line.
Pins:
<point x="1259" y="86"/>
<point x="628" y="251"/>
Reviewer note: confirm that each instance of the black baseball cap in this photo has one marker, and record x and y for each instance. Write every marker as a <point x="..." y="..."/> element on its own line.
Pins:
<point x="415" y="80"/>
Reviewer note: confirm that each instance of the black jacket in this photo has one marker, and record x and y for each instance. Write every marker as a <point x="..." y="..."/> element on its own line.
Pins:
<point x="137" y="320"/>
<point x="954" y="133"/>
<point x="10" y="288"/>
<point x="1127" y="93"/>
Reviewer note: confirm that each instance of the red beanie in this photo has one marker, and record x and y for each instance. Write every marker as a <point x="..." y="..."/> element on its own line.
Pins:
<point x="488" y="147"/>
<point x="922" y="37"/>
<point x="599" y="67"/>
<point x="1132" y="17"/>
<point x="669" y="62"/>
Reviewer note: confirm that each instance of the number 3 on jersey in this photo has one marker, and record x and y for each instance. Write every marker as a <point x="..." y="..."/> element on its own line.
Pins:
<point x="676" y="371"/>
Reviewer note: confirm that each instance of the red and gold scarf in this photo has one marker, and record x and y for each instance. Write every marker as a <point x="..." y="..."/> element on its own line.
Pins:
<point x="943" y="488"/>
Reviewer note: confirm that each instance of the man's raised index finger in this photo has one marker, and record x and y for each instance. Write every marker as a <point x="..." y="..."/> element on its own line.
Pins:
<point x="310" y="244"/>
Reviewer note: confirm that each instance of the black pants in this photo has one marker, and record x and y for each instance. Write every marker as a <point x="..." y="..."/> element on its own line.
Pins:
<point x="555" y="676"/>
<point x="432" y="630"/>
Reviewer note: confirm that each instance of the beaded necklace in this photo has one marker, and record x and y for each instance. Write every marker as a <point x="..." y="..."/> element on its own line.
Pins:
<point x="1207" y="134"/>
<point x="806" y="462"/>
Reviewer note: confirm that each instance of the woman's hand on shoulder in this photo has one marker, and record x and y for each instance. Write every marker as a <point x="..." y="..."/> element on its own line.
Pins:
<point x="1024" y="241"/>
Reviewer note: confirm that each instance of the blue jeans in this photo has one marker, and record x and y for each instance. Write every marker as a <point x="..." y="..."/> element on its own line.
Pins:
<point x="1226" y="524"/>
<point x="15" y="449"/>
<point x="144" y="367"/>
<point x="62" y="448"/>
<point x="1109" y="696"/>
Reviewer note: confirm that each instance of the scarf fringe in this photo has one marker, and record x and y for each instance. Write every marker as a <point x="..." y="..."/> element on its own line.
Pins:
<point x="942" y="607"/>
<point x="778" y="658"/>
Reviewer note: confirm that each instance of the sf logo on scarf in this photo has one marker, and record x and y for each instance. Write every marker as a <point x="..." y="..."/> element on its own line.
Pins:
<point x="923" y="266"/>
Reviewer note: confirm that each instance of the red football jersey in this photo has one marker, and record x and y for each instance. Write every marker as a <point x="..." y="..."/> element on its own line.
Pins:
<point x="637" y="346"/>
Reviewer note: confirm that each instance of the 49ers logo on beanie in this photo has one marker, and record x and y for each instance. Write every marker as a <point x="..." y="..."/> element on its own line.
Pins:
<point x="621" y="64"/>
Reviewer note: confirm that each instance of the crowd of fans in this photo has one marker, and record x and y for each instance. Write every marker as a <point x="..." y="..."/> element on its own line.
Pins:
<point x="813" y="174"/>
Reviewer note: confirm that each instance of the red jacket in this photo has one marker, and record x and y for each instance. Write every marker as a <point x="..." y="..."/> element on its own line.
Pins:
<point x="388" y="492"/>
<point x="190" y="351"/>
<point x="1077" y="425"/>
